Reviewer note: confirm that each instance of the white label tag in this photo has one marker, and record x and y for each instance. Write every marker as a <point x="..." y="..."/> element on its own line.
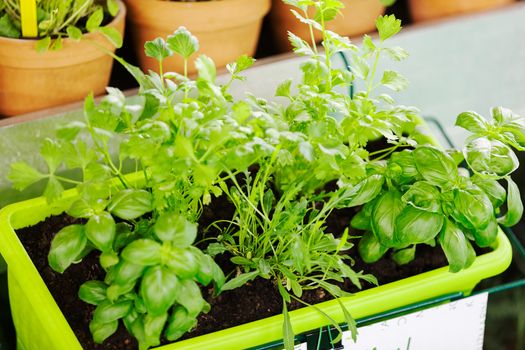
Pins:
<point x="459" y="325"/>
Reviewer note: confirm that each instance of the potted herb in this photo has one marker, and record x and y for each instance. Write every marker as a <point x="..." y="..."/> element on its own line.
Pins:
<point x="354" y="17"/>
<point x="62" y="61"/>
<point x="226" y="29"/>
<point x="423" y="10"/>
<point x="232" y="193"/>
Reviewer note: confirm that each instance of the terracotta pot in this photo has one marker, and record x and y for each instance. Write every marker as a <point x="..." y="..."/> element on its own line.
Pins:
<point x="30" y="81"/>
<point x="226" y="29"/>
<point x="422" y="10"/>
<point x="356" y="18"/>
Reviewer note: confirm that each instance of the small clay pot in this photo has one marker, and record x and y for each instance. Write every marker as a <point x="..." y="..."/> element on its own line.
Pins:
<point x="30" y="80"/>
<point x="423" y="10"/>
<point x="358" y="17"/>
<point x="225" y="29"/>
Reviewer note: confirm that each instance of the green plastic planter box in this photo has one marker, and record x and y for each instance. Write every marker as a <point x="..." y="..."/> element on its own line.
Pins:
<point x="41" y="325"/>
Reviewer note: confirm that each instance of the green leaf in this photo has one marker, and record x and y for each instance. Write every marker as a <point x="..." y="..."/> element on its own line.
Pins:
<point x="492" y="189"/>
<point x="288" y="335"/>
<point x="127" y="272"/>
<point x="52" y="154"/>
<point x="53" y="189"/>
<point x="130" y="204"/>
<point x="179" y="323"/>
<point x="113" y="35"/>
<point x="404" y="256"/>
<point x="183" y="43"/>
<point x="393" y="80"/>
<point x="487" y="236"/>
<point x="95" y="20"/>
<point x="242" y="63"/>
<point x="190" y="297"/>
<point x="490" y="157"/>
<point x="93" y="292"/>
<point x="417" y="226"/>
<point x="74" y="33"/>
<point x="473" y="208"/>
<point x="100" y="230"/>
<point x="424" y="196"/>
<point x="387" y="26"/>
<point x="514" y="205"/>
<point x="159" y="289"/>
<point x="209" y="271"/>
<point x="176" y="229"/>
<point x="66" y="247"/>
<point x="472" y="122"/>
<point x="240" y="280"/>
<point x="153" y="326"/>
<point x="363" y="192"/>
<point x="435" y="166"/>
<point x="108" y="312"/>
<point x="387" y="207"/>
<point x="455" y="246"/>
<point x="283" y="89"/>
<point x="23" y="175"/>
<point x="112" y="6"/>
<point x="144" y="252"/>
<point x="396" y="53"/>
<point x="402" y="167"/>
<point x="101" y="331"/>
<point x="183" y="262"/>
<point x="300" y="47"/>
<point x="43" y="44"/>
<point x="206" y="68"/>
<point x="8" y="29"/>
<point x="370" y="249"/>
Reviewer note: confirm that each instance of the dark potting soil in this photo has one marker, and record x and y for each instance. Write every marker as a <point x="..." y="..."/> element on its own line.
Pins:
<point x="256" y="300"/>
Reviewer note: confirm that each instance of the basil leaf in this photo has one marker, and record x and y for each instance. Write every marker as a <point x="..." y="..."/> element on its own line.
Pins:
<point x="384" y="215"/>
<point x="209" y="271"/>
<point x="183" y="262"/>
<point x="492" y="189"/>
<point x="179" y="323"/>
<point x="472" y="122"/>
<point x="153" y="326"/>
<point x="424" y="196"/>
<point x="175" y="228"/>
<point x="402" y="167"/>
<point x="487" y="236"/>
<point x="108" y="312"/>
<point x="363" y="192"/>
<point x="159" y="289"/>
<point x="101" y="331"/>
<point x="514" y="205"/>
<point x="417" y="226"/>
<point x="370" y="249"/>
<point x="144" y="252"/>
<point x="66" y="248"/>
<point x="190" y="297"/>
<point x="100" y="230"/>
<point x="127" y="272"/>
<point x="473" y="208"/>
<point x="435" y="166"/>
<point x="92" y="292"/>
<point x="130" y="204"/>
<point x="404" y="256"/>
<point x="455" y="246"/>
<point x="490" y="157"/>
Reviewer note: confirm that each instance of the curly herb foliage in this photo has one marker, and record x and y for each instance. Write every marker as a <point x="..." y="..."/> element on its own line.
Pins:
<point x="180" y="136"/>
<point x="57" y="19"/>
